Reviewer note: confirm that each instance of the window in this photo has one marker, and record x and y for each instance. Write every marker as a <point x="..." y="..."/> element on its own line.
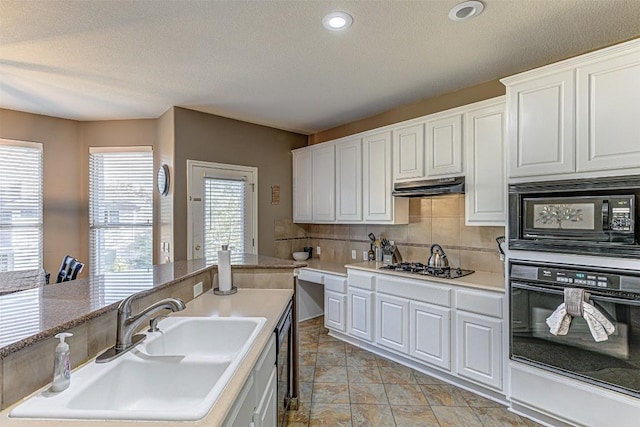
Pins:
<point x="20" y="205"/>
<point x="120" y="209"/>
<point x="224" y="215"/>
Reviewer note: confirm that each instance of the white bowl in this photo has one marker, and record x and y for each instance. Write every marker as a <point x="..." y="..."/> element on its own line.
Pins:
<point x="300" y="256"/>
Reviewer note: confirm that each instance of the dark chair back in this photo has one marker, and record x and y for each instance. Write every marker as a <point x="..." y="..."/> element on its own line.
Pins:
<point x="69" y="269"/>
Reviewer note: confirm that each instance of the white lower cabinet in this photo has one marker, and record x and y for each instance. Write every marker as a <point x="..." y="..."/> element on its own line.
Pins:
<point x="360" y="313"/>
<point x="430" y="334"/>
<point x="479" y="348"/>
<point x="392" y="322"/>
<point x="335" y="305"/>
<point x="256" y="405"/>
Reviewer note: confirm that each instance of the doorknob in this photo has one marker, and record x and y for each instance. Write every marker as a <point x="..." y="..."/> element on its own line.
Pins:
<point x="198" y="247"/>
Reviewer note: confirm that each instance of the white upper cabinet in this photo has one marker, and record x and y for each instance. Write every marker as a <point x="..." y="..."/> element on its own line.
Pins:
<point x="576" y="118"/>
<point x="608" y="116"/>
<point x="444" y="146"/>
<point x="323" y="183"/>
<point x="485" y="185"/>
<point x="349" y="180"/>
<point x="302" y="185"/>
<point x="408" y="152"/>
<point x="541" y="123"/>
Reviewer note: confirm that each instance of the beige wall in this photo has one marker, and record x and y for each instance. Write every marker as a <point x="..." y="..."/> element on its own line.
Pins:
<point x="164" y="214"/>
<point x="66" y="180"/>
<point x="422" y="108"/>
<point x="204" y="137"/>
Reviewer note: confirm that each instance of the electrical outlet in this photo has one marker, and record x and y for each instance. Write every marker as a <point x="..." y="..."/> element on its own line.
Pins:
<point x="318" y="250"/>
<point x="365" y="255"/>
<point x="354" y="254"/>
<point x="197" y="289"/>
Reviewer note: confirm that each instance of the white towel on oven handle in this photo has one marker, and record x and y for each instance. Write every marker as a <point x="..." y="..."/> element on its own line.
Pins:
<point x="559" y="321"/>
<point x="599" y="326"/>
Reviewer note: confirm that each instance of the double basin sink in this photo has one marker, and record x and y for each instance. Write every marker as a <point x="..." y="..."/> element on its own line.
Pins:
<point x="176" y="374"/>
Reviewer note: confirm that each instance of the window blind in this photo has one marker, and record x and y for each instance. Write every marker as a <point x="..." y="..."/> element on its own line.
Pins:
<point x="20" y="205"/>
<point x="224" y="215"/>
<point x="120" y="209"/>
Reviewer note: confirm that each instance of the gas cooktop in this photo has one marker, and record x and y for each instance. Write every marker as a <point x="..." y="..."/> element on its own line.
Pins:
<point x="423" y="270"/>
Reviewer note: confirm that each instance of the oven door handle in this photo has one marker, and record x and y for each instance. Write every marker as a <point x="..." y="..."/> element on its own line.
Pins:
<point x="624" y="301"/>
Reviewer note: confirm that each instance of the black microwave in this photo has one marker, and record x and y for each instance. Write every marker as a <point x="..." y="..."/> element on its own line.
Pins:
<point x="590" y="216"/>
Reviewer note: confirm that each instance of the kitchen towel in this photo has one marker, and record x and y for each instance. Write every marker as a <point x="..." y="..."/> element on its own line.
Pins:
<point x="599" y="326"/>
<point x="560" y="320"/>
<point x="573" y="299"/>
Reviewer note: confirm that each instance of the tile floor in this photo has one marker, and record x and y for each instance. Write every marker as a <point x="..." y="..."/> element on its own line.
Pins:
<point x="342" y="385"/>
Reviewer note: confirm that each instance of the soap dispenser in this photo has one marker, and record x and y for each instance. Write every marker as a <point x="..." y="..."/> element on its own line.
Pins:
<point x="62" y="364"/>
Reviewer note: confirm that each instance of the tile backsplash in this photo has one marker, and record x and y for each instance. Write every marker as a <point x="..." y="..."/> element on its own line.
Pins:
<point x="431" y="220"/>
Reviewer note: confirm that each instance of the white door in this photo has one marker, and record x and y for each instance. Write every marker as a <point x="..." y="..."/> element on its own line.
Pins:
<point x="444" y="146"/>
<point x="222" y="208"/>
<point x="302" y="185"/>
<point x="392" y="317"/>
<point x="430" y="334"/>
<point x="360" y="310"/>
<point x="608" y="113"/>
<point x="376" y="172"/>
<point x="323" y="178"/>
<point x="408" y="152"/>
<point x="349" y="180"/>
<point x="334" y="310"/>
<point x="479" y="349"/>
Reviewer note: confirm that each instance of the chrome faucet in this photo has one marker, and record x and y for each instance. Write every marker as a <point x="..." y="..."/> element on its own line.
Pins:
<point x="128" y="324"/>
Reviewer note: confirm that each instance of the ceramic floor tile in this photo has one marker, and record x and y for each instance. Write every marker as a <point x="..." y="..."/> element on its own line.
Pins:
<point x="332" y="347"/>
<point x="306" y="373"/>
<point x="414" y="416"/>
<point x="305" y="390"/>
<point x="364" y="374"/>
<point x="331" y="374"/>
<point x="499" y="417"/>
<point x="327" y="338"/>
<point x="372" y="415"/>
<point x="449" y="416"/>
<point x="329" y="415"/>
<point x="307" y="358"/>
<point x="382" y="362"/>
<point x="443" y="395"/>
<point x="330" y="393"/>
<point x="330" y="359"/>
<point x="368" y="393"/>
<point x="426" y="379"/>
<point x="477" y="401"/>
<point x="405" y="394"/>
<point x="361" y="358"/>
<point x="308" y="346"/>
<point x="397" y="375"/>
<point x="299" y="418"/>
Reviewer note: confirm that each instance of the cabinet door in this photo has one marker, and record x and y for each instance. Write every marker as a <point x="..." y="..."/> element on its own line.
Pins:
<point x="485" y="184"/>
<point x="444" y="146"/>
<point x="430" y="334"/>
<point x="408" y="152"/>
<point x="334" y="310"/>
<point x="323" y="183"/>
<point x="359" y="312"/>
<point x="349" y="181"/>
<point x="392" y="322"/>
<point x="377" y="177"/>
<point x="266" y="414"/>
<point x="608" y="112"/>
<point x="541" y="125"/>
<point x="242" y="413"/>
<point x="302" y="186"/>
<point x="479" y="348"/>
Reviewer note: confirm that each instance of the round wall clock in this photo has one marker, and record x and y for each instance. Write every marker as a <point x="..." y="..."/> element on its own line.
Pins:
<point x="163" y="180"/>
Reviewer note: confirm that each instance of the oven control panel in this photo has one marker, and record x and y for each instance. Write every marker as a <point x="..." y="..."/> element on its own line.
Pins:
<point x="579" y="278"/>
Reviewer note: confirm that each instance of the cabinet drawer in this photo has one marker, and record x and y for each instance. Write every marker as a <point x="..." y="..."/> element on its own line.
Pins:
<point x="362" y="280"/>
<point x="335" y="284"/>
<point x="311" y="276"/>
<point x="416" y="290"/>
<point x="264" y="364"/>
<point x="479" y="302"/>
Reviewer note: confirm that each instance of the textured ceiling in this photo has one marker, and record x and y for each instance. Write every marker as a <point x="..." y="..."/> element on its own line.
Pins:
<point x="271" y="62"/>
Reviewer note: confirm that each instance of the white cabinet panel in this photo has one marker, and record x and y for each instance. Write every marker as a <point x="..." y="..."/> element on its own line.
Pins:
<point x="479" y="348"/>
<point x="430" y="334"/>
<point x="608" y="113"/>
<point x="485" y="184"/>
<point x="323" y="183"/>
<point x="267" y="411"/>
<point x="392" y="322"/>
<point x="408" y="152"/>
<point x="360" y="311"/>
<point x="377" y="177"/>
<point x="349" y="181"/>
<point x="541" y="125"/>
<point x="334" y="310"/>
<point x="444" y="146"/>
<point x="302" y="186"/>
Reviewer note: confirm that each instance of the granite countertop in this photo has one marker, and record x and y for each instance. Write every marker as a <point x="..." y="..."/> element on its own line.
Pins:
<point x="15" y="281"/>
<point x="479" y="279"/>
<point x="39" y="312"/>
<point x="268" y="303"/>
<point x="326" y="266"/>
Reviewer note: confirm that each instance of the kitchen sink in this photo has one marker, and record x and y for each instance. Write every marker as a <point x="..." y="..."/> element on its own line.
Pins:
<point x="175" y="375"/>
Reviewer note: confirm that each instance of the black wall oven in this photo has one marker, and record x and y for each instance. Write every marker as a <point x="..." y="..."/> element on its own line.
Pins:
<point x="537" y="289"/>
<point x="588" y="216"/>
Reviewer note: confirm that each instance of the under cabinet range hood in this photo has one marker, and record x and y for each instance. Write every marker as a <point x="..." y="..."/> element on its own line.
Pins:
<point x="429" y="187"/>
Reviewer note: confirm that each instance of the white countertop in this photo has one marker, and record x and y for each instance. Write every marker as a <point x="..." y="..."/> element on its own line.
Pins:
<point x="268" y="303"/>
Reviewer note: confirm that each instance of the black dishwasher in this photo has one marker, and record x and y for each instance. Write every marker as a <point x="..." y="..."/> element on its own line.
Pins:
<point x="284" y="363"/>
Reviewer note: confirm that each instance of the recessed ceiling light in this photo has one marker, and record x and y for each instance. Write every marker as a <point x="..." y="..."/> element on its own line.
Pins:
<point x="337" y="21"/>
<point x="466" y="10"/>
